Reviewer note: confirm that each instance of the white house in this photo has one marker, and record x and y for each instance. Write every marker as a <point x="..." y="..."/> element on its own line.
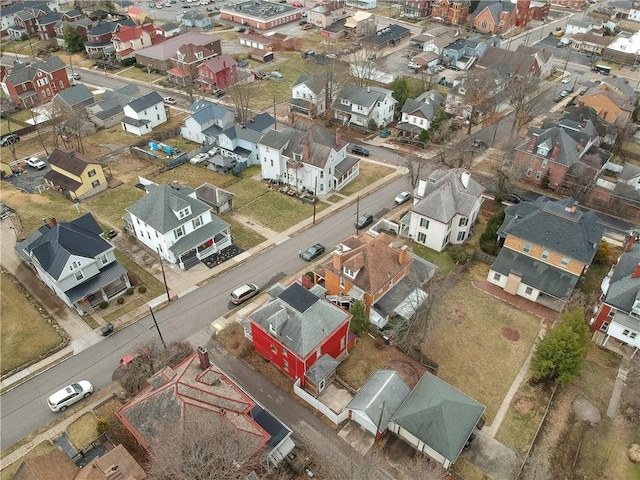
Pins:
<point x="307" y="157"/>
<point x="143" y="114"/>
<point x="206" y="122"/>
<point x="240" y="142"/>
<point x="170" y="220"/>
<point x="418" y="113"/>
<point x="362" y="4"/>
<point x="634" y="14"/>
<point x="75" y="262"/>
<point x="445" y="207"/>
<point x="362" y="106"/>
<point x="309" y="96"/>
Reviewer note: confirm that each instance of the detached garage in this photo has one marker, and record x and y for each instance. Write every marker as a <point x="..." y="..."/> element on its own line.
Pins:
<point x="378" y="399"/>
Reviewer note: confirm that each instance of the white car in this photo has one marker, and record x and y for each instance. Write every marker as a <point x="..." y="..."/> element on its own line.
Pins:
<point x="199" y="158"/>
<point x="35" y="162"/>
<point x="565" y="80"/>
<point x="402" y="197"/>
<point x="413" y="66"/>
<point x="59" y="401"/>
<point x="169" y="100"/>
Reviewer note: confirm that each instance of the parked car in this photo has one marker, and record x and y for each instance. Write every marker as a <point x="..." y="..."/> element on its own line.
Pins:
<point x="199" y="158"/>
<point x="243" y="63"/>
<point x="9" y="139"/>
<point x="35" y="162"/>
<point x="385" y="133"/>
<point x="59" y="401"/>
<point x="240" y="29"/>
<point x="566" y="80"/>
<point x="359" y="150"/>
<point x="309" y="54"/>
<point x="402" y="197"/>
<point x="243" y="293"/>
<point x="364" y="220"/>
<point x="218" y="93"/>
<point x="515" y="198"/>
<point x="478" y="143"/>
<point x="332" y="56"/>
<point x="169" y="100"/>
<point x="75" y="76"/>
<point x="307" y="26"/>
<point x="558" y="98"/>
<point x="312" y="252"/>
<point x="413" y="65"/>
<point x="127" y="360"/>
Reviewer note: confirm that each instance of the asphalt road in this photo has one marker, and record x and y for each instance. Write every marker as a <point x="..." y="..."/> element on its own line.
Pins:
<point x="24" y="409"/>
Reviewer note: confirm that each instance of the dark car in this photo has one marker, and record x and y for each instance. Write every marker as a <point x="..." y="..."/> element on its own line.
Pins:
<point x="364" y="220"/>
<point x="9" y="139"/>
<point x="359" y="150"/>
<point x="478" y="143"/>
<point x="515" y="198"/>
<point x="312" y="252"/>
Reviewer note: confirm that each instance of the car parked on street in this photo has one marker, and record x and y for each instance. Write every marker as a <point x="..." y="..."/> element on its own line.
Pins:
<point x="36" y="163"/>
<point x="75" y="76"/>
<point x="169" y="100"/>
<point x="385" y="133"/>
<point x="9" y="139"/>
<point x="128" y="359"/>
<point x="59" y="401"/>
<point x="402" y="197"/>
<point x="360" y="150"/>
<point x="478" y="143"/>
<point x="364" y="220"/>
<point x="312" y="252"/>
<point x="243" y="293"/>
<point x="515" y="198"/>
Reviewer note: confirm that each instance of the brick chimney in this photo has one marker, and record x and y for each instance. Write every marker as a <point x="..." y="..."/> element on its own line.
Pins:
<point x="403" y="257"/>
<point x="338" y="137"/>
<point x="636" y="272"/>
<point x="630" y="241"/>
<point x="305" y="151"/>
<point x="556" y="151"/>
<point x="203" y="356"/>
<point x="53" y="221"/>
<point x="532" y="142"/>
<point x="580" y="145"/>
<point x="337" y="258"/>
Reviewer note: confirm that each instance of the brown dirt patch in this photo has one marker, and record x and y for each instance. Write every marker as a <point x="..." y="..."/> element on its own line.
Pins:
<point x="410" y="370"/>
<point x="523" y="404"/>
<point x="510" y="334"/>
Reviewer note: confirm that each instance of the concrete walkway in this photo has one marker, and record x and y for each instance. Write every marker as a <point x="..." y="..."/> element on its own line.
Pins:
<point x="618" y="386"/>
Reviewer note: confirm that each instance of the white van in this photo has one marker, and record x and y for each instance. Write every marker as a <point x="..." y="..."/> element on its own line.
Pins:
<point x="243" y="293"/>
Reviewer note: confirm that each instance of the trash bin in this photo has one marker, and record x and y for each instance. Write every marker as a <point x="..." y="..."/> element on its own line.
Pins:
<point x="107" y="329"/>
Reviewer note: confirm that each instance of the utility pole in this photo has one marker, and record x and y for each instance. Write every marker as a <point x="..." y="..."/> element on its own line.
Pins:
<point x="157" y="328"/>
<point x="357" y="212"/>
<point x="164" y="278"/>
<point x="315" y="200"/>
<point x="275" y="117"/>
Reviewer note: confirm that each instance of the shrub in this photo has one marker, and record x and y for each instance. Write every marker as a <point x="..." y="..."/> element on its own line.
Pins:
<point x="489" y="238"/>
<point x="129" y="291"/>
<point x="603" y="254"/>
<point x="120" y="300"/>
<point x="103" y="305"/>
<point x="457" y="254"/>
<point x="101" y="425"/>
<point x="142" y="289"/>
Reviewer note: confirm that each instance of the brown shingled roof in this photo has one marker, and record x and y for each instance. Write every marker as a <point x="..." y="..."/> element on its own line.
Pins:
<point x="71" y="161"/>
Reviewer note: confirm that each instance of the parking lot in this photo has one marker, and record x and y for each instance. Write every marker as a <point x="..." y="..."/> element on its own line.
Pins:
<point x="31" y="180"/>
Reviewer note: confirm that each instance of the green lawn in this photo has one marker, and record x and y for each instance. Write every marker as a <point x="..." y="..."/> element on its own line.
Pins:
<point x="111" y="204"/>
<point x="243" y="236"/>
<point x="442" y="260"/>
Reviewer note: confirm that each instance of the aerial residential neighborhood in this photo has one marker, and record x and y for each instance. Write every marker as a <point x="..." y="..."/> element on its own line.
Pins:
<point x="334" y="239"/>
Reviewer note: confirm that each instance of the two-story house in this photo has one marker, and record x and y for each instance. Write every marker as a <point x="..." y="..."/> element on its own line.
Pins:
<point x="618" y="315"/>
<point x="326" y="13"/>
<point x="445" y="208"/>
<point x="612" y="106"/>
<point x="186" y="62"/>
<point x="547" y="154"/>
<point x="8" y="14"/>
<point x="170" y="220"/>
<point x="307" y="157"/>
<point x="35" y="83"/>
<point x="127" y="40"/>
<point x="99" y="44"/>
<point x="547" y="247"/>
<point x="418" y="113"/>
<point x="81" y="25"/>
<point x="46" y="25"/>
<point x="309" y="95"/>
<point x="206" y="122"/>
<point x="162" y="56"/>
<point x="451" y="11"/>
<point x="495" y="100"/>
<point x="75" y="262"/>
<point x="217" y="73"/>
<point x="109" y="110"/>
<point x="144" y="114"/>
<point x="364" y="107"/>
<point x="296" y="327"/>
<point x="75" y="174"/>
<point x="238" y="144"/>
<point x="415" y="9"/>
<point x="25" y="21"/>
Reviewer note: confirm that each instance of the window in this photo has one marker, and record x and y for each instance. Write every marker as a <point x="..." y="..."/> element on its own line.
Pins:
<point x="285" y="352"/>
<point x="78" y="274"/>
<point x="632" y="335"/>
<point x="564" y="262"/>
<point x="422" y="237"/>
<point x="528" y="291"/>
<point x="273" y="348"/>
<point x="538" y="175"/>
<point x="272" y="162"/>
<point x="178" y="232"/>
<point x="497" y="277"/>
<point x="424" y="223"/>
<point x="529" y="172"/>
<point x="104" y="259"/>
<point x="526" y="248"/>
<point x="604" y="326"/>
<point x="91" y="173"/>
<point x="544" y="163"/>
<point x="342" y="282"/>
<point x="196" y="222"/>
<point x="545" y="254"/>
<point x="461" y="236"/>
<point x="319" y="352"/>
<point x="463" y="222"/>
<point x="348" y="272"/>
<point x="285" y="365"/>
<point x="342" y="343"/>
<point x="95" y="183"/>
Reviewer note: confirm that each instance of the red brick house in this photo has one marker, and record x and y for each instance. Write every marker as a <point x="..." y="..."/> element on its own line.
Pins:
<point x="99" y="37"/>
<point x="127" y="40"/>
<point x="217" y="72"/>
<point x="186" y="62"/>
<point x="35" y="83"/>
<point x="298" y="327"/>
<point x="25" y="22"/>
<point x="46" y="25"/>
<point x="451" y="11"/>
<point x="495" y="16"/>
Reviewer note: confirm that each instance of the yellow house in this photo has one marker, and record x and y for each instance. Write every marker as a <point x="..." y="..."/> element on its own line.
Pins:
<point x="75" y="174"/>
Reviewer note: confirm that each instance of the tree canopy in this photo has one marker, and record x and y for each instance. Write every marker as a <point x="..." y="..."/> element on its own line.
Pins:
<point x="72" y="39"/>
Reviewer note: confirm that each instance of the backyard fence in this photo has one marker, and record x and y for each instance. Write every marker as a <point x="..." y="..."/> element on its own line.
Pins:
<point x="336" y="418"/>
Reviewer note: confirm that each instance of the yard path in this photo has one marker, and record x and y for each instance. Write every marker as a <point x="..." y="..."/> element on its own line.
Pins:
<point x="266" y="232"/>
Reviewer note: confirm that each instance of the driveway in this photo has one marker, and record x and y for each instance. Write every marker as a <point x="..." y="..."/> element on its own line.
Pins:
<point x="31" y="180"/>
<point x="493" y="458"/>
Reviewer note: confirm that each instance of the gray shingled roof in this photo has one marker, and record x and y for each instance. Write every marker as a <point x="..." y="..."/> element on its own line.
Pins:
<point x="75" y="95"/>
<point x="22" y="73"/>
<point x="380" y="397"/>
<point x="495" y="8"/>
<point x="624" y="289"/>
<point x="426" y="104"/>
<point x="445" y="196"/>
<point x="146" y="101"/>
<point x="364" y="96"/>
<point x="301" y="320"/>
<point x="439" y="415"/>
<point x="204" y="111"/>
<point x="549" y="224"/>
<point x="316" y="84"/>
<point x="569" y="152"/>
<point x="628" y="191"/>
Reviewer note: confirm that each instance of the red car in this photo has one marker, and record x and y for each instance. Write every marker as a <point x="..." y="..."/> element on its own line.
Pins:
<point x="307" y="26"/>
<point x="128" y="359"/>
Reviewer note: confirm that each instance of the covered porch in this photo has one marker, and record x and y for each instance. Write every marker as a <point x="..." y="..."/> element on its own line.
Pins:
<point x="111" y="282"/>
<point x="200" y="244"/>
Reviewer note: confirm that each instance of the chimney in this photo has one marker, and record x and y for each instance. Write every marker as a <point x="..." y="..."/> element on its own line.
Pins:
<point x="464" y="178"/>
<point x="338" y="137"/>
<point x="580" y="145"/>
<point x="555" y="151"/>
<point x="53" y="221"/>
<point x="532" y="142"/>
<point x="583" y="123"/>
<point x="630" y="241"/>
<point x="203" y="356"/>
<point x="403" y="257"/>
<point x="572" y="208"/>
<point x="337" y="258"/>
<point x="636" y="272"/>
<point x="305" y="151"/>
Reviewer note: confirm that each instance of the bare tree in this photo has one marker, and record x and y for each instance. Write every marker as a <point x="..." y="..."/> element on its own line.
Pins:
<point x="242" y="94"/>
<point x="8" y="108"/>
<point x="202" y="451"/>
<point x="364" y="67"/>
<point x="333" y="75"/>
<point x="523" y="90"/>
<point x="476" y="90"/>
<point x="414" y="166"/>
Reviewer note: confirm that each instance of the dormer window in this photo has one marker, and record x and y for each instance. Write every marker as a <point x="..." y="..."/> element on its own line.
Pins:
<point x="180" y="56"/>
<point x="272" y="329"/>
<point x="349" y="273"/>
<point x="185" y="212"/>
<point x="199" y="55"/>
<point x="297" y="156"/>
<point x="543" y="150"/>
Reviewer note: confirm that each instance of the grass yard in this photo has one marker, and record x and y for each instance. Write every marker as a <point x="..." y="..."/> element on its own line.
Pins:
<point x="334" y="199"/>
<point x="247" y="192"/>
<point x="140" y="74"/>
<point x="25" y="335"/>
<point x="244" y="237"/>
<point x="631" y="147"/>
<point x="369" y="173"/>
<point x="194" y="176"/>
<point x="43" y="448"/>
<point x="83" y="431"/>
<point x="467" y="471"/>
<point x="111" y="204"/>
<point x="442" y="260"/>
<point x="363" y="360"/>
<point x="470" y="341"/>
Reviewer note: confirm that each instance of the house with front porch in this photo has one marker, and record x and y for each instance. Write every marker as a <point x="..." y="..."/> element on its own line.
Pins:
<point x="25" y="21"/>
<point x="546" y="248"/>
<point x="296" y="327"/>
<point x="617" y="319"/>
<point x="171" y="221"/>
<point x="239" y="143"/>
<point x="418" y="113"/>
<point x="307" y="157"/>
<point x="127" y="40"/>
<point x="75" y="262"/>
<point x="99" y="44"/>
<point x="365" y="107"/>
<point x="218" y="72"/>
<point x="34" y="83"/>
<point x="309" y="96"/>
<point x="186" y="62"/>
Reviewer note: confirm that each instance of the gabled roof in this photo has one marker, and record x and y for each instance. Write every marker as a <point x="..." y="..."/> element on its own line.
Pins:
<point x="439" y="415"/>
<point x="157" y="207"/>
<point x="101" y="468"/>
<point x="364" y="96"/>
<point x="103" y="28"/>
<point x="56" y="465"/>
<point x="204" y="111"/>
<point x="624" y="285"/>
<point x="549" y="139"/>
<point x="316" y="84"/>
<point x="300" y="319"/>
<point x="128" y="33"/>
<point x="446" y="195"/>
<point x="424" y="105"/>
<point x="380" y="397"/>
<point x="220" y="63"/>
<point x="12" y="9"/>
<point x="71" y="161"/>
<point x="494" y="7"/>
<point x="52" y="246"/>
<point x="582" y="113"/>
<point x="555" y="225"/>
<point x="212" y="195"/>
<point x="22" y="73"/>
<point x="507" y="61"/>
<point x="75" y="94"/>
<point x="189" y="52"/>
<point x="146" y="101"/>
<point x="165" y="50"/>
<point x="51" y="18"/>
